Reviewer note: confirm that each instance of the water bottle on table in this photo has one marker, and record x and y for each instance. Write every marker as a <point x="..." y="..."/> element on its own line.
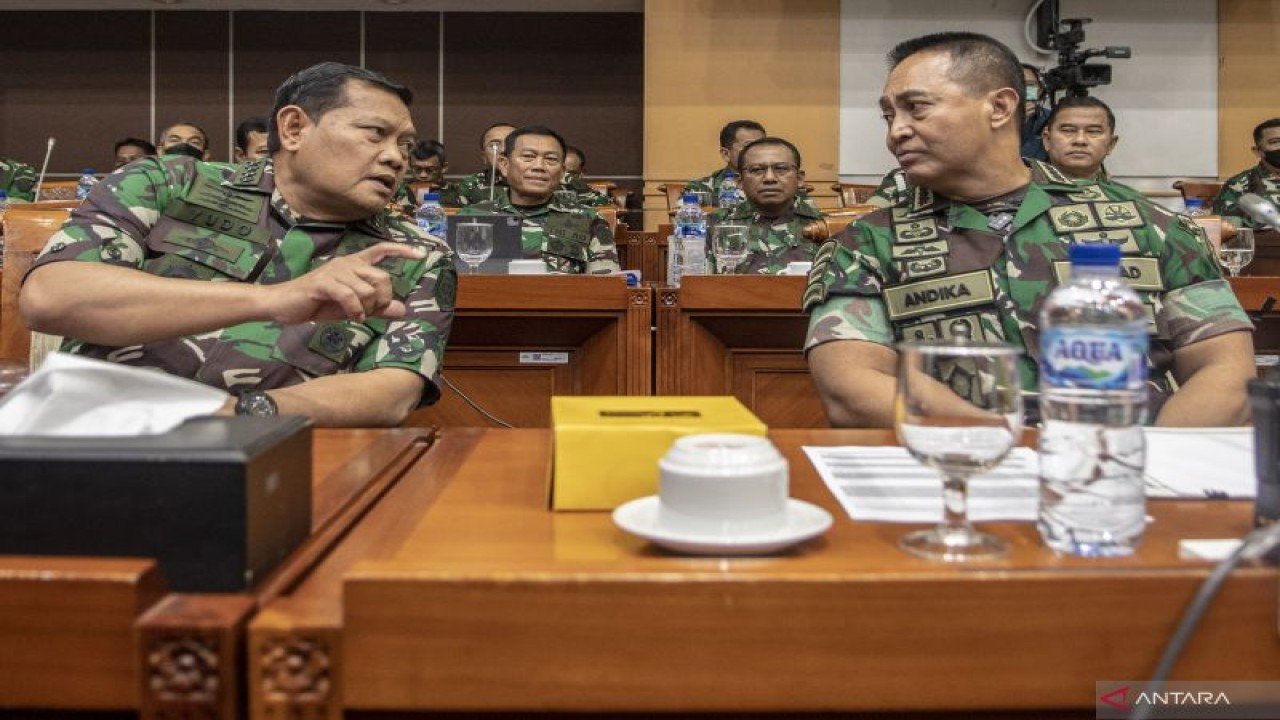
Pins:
<point x="1093" y="372"/>
<point x="431" y="217"/>
<point x="86" y="183"/>
<point x="691" y="235"/>
<point x="729" y="194"/>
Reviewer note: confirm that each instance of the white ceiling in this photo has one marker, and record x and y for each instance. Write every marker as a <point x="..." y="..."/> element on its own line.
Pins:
<point x="324" y="5"/>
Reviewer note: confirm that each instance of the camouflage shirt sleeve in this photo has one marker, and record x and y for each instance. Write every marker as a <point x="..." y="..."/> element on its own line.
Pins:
<point x="1228" y="197"/>
<point x="843" y="296"/>
<point x="1197" y="303"/>
<point x="602" y="256"/>
<point x="17" y="179"/>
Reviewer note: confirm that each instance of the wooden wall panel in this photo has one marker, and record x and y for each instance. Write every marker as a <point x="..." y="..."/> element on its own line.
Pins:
<point x="578" y="73"/>
<point x="405" y="46"/>
<point x="191" y="75"/>
<point x="85" y="83"/>
<point x="1248" y="86"/>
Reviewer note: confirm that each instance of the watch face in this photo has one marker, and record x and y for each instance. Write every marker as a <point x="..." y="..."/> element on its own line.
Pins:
<point x="256" y="404"/>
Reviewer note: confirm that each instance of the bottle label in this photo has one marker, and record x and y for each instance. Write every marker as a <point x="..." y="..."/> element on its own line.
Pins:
<point x="1093" y="359"/>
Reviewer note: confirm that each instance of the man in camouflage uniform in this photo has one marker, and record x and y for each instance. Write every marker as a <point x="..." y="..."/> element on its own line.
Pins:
<point x="484" y="185"/>
<point x="733" y="137"/>
<point x="775" y="216"/>
<point x="976" y="248"/>
<point x="1262" y="179"/>
<point x="281" y="280"/>
<point x="573" y="188"/>
<point x="427" y="166"/>
<point x="1079" y="136"/>
<point x="570" y="238"/>
<point x="17" y="179"/>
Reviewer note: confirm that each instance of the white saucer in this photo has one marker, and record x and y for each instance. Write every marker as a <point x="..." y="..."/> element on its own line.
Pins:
<point x="804" y="520"/>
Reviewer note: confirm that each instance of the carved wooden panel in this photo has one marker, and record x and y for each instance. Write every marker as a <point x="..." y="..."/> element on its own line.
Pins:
<point x="295" y="677"/>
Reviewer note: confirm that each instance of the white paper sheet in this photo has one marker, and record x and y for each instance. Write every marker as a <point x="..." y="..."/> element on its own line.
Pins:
<point x="886" y="484"/>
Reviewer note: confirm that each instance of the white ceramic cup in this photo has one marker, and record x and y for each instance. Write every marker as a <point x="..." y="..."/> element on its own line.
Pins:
<point x="722" y="484"/>
<point x="798" y="268"/>
<point x="526" y="267"/>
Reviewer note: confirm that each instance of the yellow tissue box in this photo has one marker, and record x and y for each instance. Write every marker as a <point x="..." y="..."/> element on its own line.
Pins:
<point x="607" y="448"/>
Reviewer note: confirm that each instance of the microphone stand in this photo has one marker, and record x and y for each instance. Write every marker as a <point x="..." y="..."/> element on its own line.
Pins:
<point x="43" y="169"/>
<point x="493" y="168"/>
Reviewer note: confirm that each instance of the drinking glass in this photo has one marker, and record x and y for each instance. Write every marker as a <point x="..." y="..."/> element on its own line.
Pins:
<point x="1237" y="251"/>
<point x="474" y="243"/>
<point x="729" y="245"/>
<point x="958" y="410"/>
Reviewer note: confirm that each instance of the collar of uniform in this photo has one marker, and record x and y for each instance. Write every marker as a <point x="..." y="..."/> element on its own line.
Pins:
<point x="746" y="210"/>
<point x="1049" y="177"/>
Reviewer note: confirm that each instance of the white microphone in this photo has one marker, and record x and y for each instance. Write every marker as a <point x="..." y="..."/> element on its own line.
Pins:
<point x="1262" y="212"/>
<point x="493" y="166"/>
<point x="44" y="168"/>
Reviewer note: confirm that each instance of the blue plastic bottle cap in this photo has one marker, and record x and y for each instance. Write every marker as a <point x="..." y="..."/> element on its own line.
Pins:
<point x="689" y="198"/>
<point x="431" y="196"/>
<point x="1099" y="254"/>
<point x="87" y="171"/>
<point x="730" y="174"/>
<point x="1193" y="202"/>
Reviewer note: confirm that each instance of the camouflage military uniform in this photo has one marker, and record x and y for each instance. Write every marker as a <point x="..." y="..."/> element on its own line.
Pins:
<point x="707" y="188"/>
<point x="406" y="204"/>
<point x="474" y="188"/>
<point x="774" y="242"/>
<point x="929" y="268"/>
<point x="893" y="187"/>
<point x="1123" y="191"/>
<point x="1257" y="180"/>
<point x="573" y="189"/>
<point x="569" y="238"/>
<point x="176" y="217"/>
<point x="17" y="179"/>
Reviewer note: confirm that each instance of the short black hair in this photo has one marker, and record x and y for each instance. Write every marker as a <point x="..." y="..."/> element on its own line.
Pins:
<point x="729" y="132"/>
<point x="574" y="150"/>
<point x="427" y="149"/>
<point x="1085" y="101"/>
<point x="255" y="124"/>
<point x="1265" y="124"/>
<point x="323" y="87"/>
<point x="139" y="143"/>
<point x="539" y="130"/>
<point x="795" y="152"/>
<point x="979" y="63"/>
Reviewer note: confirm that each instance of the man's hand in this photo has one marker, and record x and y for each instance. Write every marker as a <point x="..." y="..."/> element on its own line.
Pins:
<point x="350" y="287"/>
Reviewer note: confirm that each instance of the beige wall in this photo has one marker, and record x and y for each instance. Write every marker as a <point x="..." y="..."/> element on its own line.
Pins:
<point x="711" y="61"/>
<point x="1249" y="77"/>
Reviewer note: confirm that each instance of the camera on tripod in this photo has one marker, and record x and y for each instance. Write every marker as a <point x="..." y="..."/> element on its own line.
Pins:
<point x="1074" y="75"/>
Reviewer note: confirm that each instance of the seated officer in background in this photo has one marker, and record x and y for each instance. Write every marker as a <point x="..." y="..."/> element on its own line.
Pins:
<point x="129" y="149"/>
<point x="293" y="287"/>
<point x="569" y="237"/>
<point x="971" y="251"/>
<point x="1262" y="179"/>
<point x="774" y="214"/>
<point x="480" y="186"/>
<point x="17" y="179"/>
<point x="184" y="138"/>
<point x="580" y="192"/>
<point x="733" y="137"/>
<point x="251" y="140"/>
<point x="427" y="166"/>
<point x="1079" y="135"/>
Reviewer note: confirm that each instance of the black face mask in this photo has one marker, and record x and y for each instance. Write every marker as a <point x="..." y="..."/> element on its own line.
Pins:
<point x="185" y="149"/>
<point x="1272" y="157"/>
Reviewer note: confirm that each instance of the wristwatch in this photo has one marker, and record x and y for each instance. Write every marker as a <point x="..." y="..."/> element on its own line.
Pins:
<point x="256" y="403"/>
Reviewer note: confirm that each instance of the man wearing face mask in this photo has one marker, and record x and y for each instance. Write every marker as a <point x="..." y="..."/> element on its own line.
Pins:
<point x="1035" y="114"/>
<point x="1262" y="179"/>
<point x="184" y="138"/>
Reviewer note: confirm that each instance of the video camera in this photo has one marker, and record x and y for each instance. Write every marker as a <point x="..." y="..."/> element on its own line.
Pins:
<point x="1074" y="75"/>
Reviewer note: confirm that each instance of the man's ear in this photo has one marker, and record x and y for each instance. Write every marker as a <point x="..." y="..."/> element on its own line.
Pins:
<point x="504" y="163"/>
<point x="1004" y="104"/>
<point x="292" y="123"/>
<point x="1114" y="139"/>
<point x="724" y="156"/>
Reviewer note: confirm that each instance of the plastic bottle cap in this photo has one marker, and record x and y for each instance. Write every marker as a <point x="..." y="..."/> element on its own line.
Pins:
<point x="1099" y="254"/>
<point x="430" y="197"/>
<point x="87" y="171"/>
<point x="1193" y="202"/>
<point x="729" y="174"/>
<point x="689" y="198"/>
<point x="4" y="195"/>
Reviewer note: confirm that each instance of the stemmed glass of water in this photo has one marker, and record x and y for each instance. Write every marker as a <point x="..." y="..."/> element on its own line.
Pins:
<point x="729" y="245"/>
<point x="474" y="243"/>
<point x="1237" y="251"/>
<point x="958" y="410"/>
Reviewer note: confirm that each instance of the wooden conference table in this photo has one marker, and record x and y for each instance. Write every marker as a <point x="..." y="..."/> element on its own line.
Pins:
<point x="461" y="592"/>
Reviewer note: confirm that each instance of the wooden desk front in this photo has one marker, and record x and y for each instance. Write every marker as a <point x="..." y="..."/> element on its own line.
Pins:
<point x="519" y="339"/>
<point x="105" y="634"/>
<point x="463" y="592"/>
<point x="740" y="335"/>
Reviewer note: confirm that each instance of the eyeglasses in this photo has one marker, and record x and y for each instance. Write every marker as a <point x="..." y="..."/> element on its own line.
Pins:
<point x="779" y="170"/>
